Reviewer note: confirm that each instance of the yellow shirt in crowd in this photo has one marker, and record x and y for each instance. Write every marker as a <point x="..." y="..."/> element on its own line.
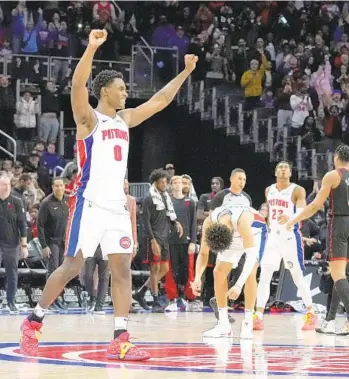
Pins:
<point x="253" y="82"/>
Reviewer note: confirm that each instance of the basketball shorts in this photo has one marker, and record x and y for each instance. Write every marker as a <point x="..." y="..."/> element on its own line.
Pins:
<point x="236" y="250"/>
<point x="90" y="225"/>
<point x="338" y="236"/>
<point x="287" y="247"/>
<point x="151" y="258"/>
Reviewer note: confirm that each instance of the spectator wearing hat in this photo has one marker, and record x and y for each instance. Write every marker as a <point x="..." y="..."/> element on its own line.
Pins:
<point x="181" y="41"/>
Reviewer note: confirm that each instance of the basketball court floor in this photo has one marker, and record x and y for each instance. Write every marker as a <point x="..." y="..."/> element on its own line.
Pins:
<point x="73" y="346"/>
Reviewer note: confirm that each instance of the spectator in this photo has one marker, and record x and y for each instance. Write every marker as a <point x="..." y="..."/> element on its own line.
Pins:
<point x="181" y="41"/>
<point x="7" y="106"/>
<point x="25" y="120"/>
<point x="203" y="209"/>
<point x="30" y="35"/>
<point x="268" y="98"/>
<point x="163" y="33"/>
<point x="284" y="114"/>
<point x="311" y="238"/>
<point x="301" y="106"/>
<point x="310" y="133"/>
<point x="158" y="214"/>
<point x="321" y="81"/>
<point x="13" y="229"/>
<point x="17" y="170"/>
<point x="52" y="221"/>
<point x="33" y="163"/>
<point x="33" y="222"/>
<point x="103" y="12"/>
<point x="7" y="165"/>
<point x="203" y="18"/>
<point x="251" y="81"/>
<point x="19" y="191"/>
<point x="199" y="47"/>
<point x="181" y="246"/>
<point x="332" y="128"/>
<point x="96" y="297"/>
<point x="188" y="188"/>
<point x="218" y="65"/>
<point x="19" y="19"/>
<point x="50" y="159"/>
<point x="240" y="61"/>
<point x="61" y="66"/>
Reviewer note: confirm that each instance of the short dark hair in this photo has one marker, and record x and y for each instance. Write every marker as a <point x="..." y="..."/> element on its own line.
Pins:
<point x="25" y="177"/>
<point x="286" y="162"/>
<point x="104" y="78"/>
<point x="56" y="180"/>
<point x="218" y="237"/>
<point x="157" y="174"/>
<point x="237" y="170"/>
<point x="342" y="153"/>
<point x="221" y="181"/>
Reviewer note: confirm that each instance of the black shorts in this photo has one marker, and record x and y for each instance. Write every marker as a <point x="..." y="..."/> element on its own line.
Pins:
<point x="150" y="258"/>
<point x="338" y="237"/>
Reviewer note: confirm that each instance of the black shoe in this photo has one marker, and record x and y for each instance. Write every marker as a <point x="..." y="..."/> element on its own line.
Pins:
<point x="99" y="310"/>
<point x="157" y="308"/>
<point x="141" y="300"/>
<point x="91" y="305"/>
<point x="12" y="307"/>
<point x="213" y="305"/>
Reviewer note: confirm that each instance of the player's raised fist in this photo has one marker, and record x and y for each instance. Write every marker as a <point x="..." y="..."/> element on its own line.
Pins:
<point x="97" y="37"/>
<point x="190" y="62"/>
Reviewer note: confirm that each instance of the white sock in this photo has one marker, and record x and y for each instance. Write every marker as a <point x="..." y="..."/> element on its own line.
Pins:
<point x="223" y="315"/>
<point x="38" y="311"/>
<point x="260" y="315"/>
<point x="120" y="323"/>
<point x="249" y="316"/>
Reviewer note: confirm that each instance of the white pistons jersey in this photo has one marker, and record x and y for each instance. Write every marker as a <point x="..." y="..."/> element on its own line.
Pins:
<point x="102" y="163"/>
<point x="280" y="203"/>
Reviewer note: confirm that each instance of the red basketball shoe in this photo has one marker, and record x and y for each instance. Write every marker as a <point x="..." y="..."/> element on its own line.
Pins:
<point x="310" y="321"/>
<point x="30" y="334"/>
<point x="122" y="349"/>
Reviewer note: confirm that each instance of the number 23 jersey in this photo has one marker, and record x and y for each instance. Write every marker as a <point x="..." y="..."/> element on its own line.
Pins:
<point x="280" y="203"/>
<point x="102" y="163"/>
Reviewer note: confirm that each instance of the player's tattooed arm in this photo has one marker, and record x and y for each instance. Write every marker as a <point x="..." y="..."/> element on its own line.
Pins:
<point x="329" y="181"/>
<point x="135" y="116"/>
<point x="83" y="113"/>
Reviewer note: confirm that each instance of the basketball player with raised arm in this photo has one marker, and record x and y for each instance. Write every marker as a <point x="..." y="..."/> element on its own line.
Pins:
<point x="335" y="185"/>
<point x="97" y="208"/>
<point x="230" y="231"/>
<point x="284" y="199"/>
